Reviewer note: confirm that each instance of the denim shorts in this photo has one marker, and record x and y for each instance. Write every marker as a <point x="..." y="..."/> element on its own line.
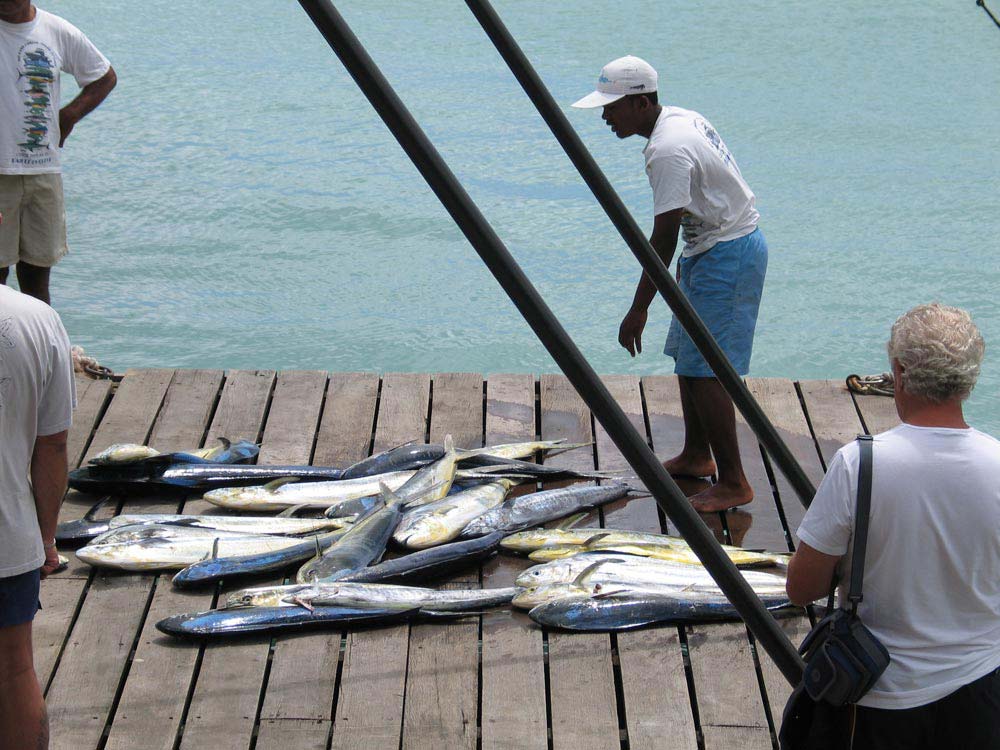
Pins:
<point x="723" y="285"/>
<point x="19" y="598"/>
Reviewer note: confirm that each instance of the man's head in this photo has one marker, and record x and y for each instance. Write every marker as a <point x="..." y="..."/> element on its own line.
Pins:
<point x="936" y="352"/>
<point x="626" y="89"/>
<point x="16" y="11"/>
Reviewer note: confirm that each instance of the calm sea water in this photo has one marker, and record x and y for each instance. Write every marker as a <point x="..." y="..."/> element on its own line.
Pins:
<point x="237" y="203"/>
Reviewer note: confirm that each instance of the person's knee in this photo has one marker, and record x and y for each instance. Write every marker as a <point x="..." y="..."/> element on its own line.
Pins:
<point x="16" y="658"/>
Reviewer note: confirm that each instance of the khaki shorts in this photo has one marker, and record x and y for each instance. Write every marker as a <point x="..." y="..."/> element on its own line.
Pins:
<point x="33" y="226"/>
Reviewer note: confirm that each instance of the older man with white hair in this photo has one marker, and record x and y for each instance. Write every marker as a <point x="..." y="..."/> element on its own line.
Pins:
<point x="931" y="583"/>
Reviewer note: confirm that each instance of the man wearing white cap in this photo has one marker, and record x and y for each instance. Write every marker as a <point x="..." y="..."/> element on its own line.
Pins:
<point x="697" y="189"/>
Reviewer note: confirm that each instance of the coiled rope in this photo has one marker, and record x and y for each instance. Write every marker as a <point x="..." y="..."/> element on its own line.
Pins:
<point x="871" y="385"/>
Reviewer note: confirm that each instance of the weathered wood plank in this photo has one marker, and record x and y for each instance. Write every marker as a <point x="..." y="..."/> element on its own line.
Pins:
<point x="83" y="688"/>
<point x="304" y="667"/>
<point x="657" y="706"/>
<point x="293" y="734"/>
<point x="780" y="402"/>
<point x="152" y="703"/>
<point x="442" y="680"/>
<point x="726" y="686"/>
<point x="878" y="412"/>
<point x="225" y="699"/>
<point x="776" y="687"/>
<point x="369" y="707"/>
<point x="832" y="414"/>
<point x="580" y="665"/>
<point x="91" y="397"/>
<point x="513" y="669"/>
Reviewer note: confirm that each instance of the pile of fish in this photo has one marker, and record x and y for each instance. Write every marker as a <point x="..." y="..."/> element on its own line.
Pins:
<point x="417" y="499"/>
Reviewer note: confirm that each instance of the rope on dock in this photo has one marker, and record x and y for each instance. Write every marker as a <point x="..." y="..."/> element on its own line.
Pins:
<point x="89" y="366"/>
<point x="871" y="385"/>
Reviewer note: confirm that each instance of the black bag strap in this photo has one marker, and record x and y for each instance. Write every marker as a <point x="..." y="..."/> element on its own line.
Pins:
<point x="854" y="595"/>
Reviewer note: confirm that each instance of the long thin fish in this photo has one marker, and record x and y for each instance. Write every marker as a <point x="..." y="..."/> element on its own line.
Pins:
<point x="429" y="563"/>
<point x="216" y="568"/>
<point x="344" y="593"/>
<point x="233" y="622"/>
<point x="537" y="508"/>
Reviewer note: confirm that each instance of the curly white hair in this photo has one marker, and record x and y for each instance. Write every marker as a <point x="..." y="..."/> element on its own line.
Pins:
<point x="940" y="350"/>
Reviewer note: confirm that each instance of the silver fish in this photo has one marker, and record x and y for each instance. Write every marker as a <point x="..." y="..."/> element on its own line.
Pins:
<point x="440" y="522"/>
<point x="344" y="593"/>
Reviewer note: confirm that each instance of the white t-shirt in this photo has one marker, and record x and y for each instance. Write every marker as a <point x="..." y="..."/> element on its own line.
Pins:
<point x="690" y="167"/>
<point x="932" y="568"/>
<point x="37" y="396"/>
<point x="32" y="55"/>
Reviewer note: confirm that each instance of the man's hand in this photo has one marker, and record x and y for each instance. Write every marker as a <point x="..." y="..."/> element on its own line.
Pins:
<point x="630" y="331"/>
<point x="51" y="561"/>
<point x="66" y="123"/>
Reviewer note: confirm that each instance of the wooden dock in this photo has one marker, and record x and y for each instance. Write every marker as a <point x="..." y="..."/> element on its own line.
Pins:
<point x="496" y="681"/>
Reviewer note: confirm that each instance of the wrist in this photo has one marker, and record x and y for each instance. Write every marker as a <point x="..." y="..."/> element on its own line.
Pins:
<point x="49" y="545"/>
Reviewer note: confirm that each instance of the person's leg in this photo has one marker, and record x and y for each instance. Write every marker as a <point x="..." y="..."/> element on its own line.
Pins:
<point x="718" y="417"/>
<point x="970" y="717"/>
<point x="24" y="722"/>
<point x="34" y="280"/>
<point x="4" y="272"/>
<point x="903" y="729"/>
<point x="695" y="458"/>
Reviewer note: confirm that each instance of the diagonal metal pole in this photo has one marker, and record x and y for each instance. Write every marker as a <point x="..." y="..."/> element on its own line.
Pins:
<point x="551" y="333"/>
<point x="643" y="251"/>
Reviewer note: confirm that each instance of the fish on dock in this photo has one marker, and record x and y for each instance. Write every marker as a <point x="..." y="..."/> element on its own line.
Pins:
<point x="347" y="593"/>
<point x="429" y="563"/>
<point x="440" y="522"/>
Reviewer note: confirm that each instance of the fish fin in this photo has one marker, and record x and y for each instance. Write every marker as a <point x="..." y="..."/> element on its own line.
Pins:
<point x="276" y="483"/>
<point x="302" y="603"/>
<point x="417" y="501"/>
<point x="319" y="550"/>
<point x="89" y="515"/>
<point x="214" y="554"/>
<point x="606" y="594"/>
<point x="389" y="497"/>
<point x="291" y="511"/>
<point x="563" y="447"/>
<point x="571" y="521"/>
<point x="589" y="543"/>
<point x="449" y="444"/>
<point x="226" y="443"/>
<point x="584" y="577"/>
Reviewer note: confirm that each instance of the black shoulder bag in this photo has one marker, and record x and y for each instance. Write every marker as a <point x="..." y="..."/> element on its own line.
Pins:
<point x="843" y="658"/>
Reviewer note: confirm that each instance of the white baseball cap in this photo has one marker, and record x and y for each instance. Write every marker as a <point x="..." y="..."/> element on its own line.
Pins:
<point x="621" y="77"/>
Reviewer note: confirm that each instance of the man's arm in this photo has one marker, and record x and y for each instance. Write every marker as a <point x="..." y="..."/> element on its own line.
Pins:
<point x="664" y="242"/>
<point x="810" y="575"/>
<point x="86" y="101"/>
<point x="48" y="483"/>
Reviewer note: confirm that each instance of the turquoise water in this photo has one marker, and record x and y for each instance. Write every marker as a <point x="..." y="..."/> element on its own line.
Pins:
<point x="237" y="203"/>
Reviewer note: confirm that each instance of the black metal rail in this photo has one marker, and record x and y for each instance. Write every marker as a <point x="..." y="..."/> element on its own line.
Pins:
<point x="551" y="333"/>
<point x="651" y="263"/>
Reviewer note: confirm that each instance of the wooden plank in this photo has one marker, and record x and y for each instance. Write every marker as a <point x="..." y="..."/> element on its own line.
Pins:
<point x="654" y="685"/>
<point x="776" y="687"/>
<point x="293" y="734"/>
<point x="84" y="686"/>
<point x="304" y="667"/>
<point x="513" y="668"/>
<point x="877" y="412"/>
<point x="726" y="685"/>
<point x="225" y="700"/>
<point x="91" y="398"/>
<point x="832" y="414"/>
<point x="442" y="680"/>
<point x="152" y="704"/>
<point x="780" y="402"/>
<point x="666" y="429"/>
<point x="657" y="704"/>
<point x="369" y="707"/>
<point x="580" y="665"/>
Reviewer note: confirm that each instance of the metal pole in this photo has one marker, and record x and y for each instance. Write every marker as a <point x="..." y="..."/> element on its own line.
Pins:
<point x="643" y="251"/>
<point x="548" y="329"/>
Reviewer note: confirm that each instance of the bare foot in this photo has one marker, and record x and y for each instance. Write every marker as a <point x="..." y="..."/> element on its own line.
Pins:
<point x="722" y="497"/>
<point x="682" y="465"/>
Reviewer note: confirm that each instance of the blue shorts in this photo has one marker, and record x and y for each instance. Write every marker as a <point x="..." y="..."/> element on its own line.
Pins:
<point x="724" y="286"/>
<point x="19" y="598"/>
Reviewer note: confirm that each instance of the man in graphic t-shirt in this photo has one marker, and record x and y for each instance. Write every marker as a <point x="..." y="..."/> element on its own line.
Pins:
<point x="697" y="189"/>
<point x="37" y="396"/>
<point x="35" y="47"/>
<point x="931" y="587"/>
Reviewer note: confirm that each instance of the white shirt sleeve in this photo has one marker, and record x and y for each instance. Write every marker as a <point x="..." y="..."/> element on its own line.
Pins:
<point x="55" y="409"/>
<point x="81" y="58"/>
<point x="829" y="522"/>
<point x="670" y="178"/>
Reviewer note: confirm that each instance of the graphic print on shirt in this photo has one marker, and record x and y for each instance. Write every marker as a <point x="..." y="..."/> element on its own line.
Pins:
<point x="38" y="73"/>
<point x="714" y="139"/>
<point x="6" y="344"/>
